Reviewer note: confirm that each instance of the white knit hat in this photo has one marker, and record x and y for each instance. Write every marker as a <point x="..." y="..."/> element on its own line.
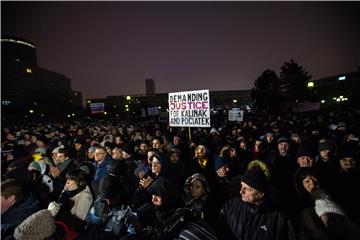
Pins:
<point x="327" y="206"/>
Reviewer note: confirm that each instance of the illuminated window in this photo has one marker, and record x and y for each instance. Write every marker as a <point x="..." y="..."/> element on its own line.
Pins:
<point x="341" y="78"/>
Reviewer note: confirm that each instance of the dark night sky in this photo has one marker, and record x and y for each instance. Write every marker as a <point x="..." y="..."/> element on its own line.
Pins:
<point x="109" y="48"/>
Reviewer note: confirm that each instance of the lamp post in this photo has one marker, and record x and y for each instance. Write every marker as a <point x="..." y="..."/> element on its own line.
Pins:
<point x="310" y="86"/>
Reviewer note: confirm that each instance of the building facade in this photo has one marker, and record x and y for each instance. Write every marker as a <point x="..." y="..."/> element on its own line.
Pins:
<point x="339" y="89"/>
<point x="150" y="87"/>
<point x="27" y="89"/>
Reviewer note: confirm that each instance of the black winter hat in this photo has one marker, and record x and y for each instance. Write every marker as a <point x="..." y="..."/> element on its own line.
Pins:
<point x="128" y="148"/>
<point x="42" y="139"/>
<point x="89" y="170"/>
<point x="349" y="149"/>
<point x="109" y="186"/>
<point x="158" y="157"/>
<point x="219" y="162"/>
<point x="283" y="139"/>
<point x="326" y="145"/>
<point x="118" y="168"/>
<point x="109" y="145"/>
<point x="80" y="141"/>
<point x="255" y="178"/>
<point x="203" y="140"/>
<point x="305" y="151"/>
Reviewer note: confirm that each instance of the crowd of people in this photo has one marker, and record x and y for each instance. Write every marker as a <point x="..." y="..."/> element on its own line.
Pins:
<point x="290" y="176"/>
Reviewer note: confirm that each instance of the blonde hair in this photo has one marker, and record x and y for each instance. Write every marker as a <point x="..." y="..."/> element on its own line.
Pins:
<point x="260" y="164"/>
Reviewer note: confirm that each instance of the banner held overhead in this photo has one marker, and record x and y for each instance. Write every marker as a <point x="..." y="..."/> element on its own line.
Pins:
<point x="189" y="109"/>
<point x="236" y="115"/>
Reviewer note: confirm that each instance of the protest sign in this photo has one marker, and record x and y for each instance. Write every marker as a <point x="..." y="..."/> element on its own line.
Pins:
<point x="189" y="109"/>
<point x="153" y="111"/>
<point x="236" y="115"/>
<point x="97" y="108"/>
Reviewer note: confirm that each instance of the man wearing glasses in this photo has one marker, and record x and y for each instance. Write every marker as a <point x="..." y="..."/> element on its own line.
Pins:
<point x="102" y="161"/>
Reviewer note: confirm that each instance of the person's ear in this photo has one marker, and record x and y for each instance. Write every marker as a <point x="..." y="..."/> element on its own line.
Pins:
<point x="12" y="199"/>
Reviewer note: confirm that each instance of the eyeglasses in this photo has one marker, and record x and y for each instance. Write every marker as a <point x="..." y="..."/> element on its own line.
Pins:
<point x="98" y="153"/>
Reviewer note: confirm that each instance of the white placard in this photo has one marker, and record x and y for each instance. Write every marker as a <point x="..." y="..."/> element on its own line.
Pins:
<point x="236" y="115"/>
<point x="189" y="109"/>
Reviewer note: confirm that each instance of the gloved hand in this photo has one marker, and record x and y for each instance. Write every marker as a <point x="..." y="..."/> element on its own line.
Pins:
<point x="54" y="208"/>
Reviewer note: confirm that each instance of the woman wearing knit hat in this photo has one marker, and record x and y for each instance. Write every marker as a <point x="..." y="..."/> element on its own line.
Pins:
<point x="321" y="217"/>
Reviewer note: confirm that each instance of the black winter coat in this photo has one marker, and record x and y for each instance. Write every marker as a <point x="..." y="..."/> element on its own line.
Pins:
<point x="260" y="222"/>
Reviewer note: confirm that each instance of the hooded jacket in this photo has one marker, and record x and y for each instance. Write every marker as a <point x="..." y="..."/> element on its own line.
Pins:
<point x="206" y="207"/>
